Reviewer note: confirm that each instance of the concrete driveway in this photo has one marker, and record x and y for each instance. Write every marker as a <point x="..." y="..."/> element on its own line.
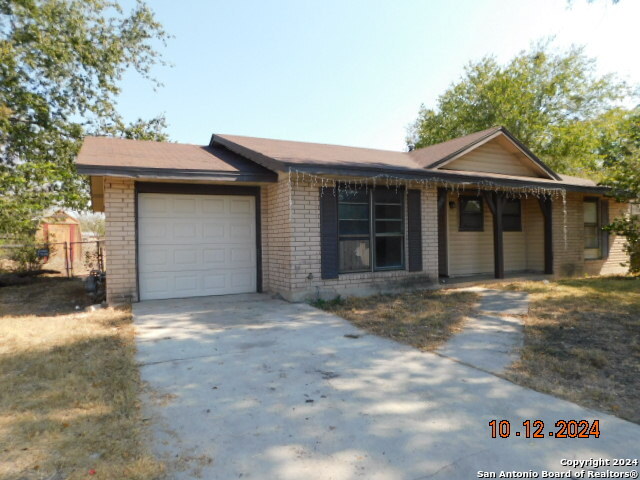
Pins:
<point x="247" y="386"/>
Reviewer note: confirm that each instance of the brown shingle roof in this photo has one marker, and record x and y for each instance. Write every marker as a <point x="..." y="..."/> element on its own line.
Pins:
<point x="233" y="157"/>
<point x="117" y="154"/>
<point x="303" y="153"/>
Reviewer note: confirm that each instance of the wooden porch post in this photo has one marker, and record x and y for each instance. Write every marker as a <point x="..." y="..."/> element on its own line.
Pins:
<point x="546" y="206"/>
<point x="496" y="201"/>
<point x="443" y="254"/>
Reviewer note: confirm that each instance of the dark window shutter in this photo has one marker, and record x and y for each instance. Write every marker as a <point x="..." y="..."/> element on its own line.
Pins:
<point x="414" y="230"/>
<point x="328" y="233"/>
<point x="604" y="221"/>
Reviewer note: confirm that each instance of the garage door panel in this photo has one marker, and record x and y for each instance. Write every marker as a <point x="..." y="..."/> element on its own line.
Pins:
<point x="213" y="231"/>
<point x="241" y="206"/>
<point x="153" y="205"/>
<point x="185" y="206"/>
<point x="192" y="245"/>
<point x="213" y="206"/>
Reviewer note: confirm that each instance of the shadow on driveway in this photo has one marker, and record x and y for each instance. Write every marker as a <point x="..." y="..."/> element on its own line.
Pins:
<point x="246" y="386"/>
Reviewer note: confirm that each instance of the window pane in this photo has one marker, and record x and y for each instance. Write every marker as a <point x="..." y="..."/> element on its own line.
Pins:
<point x="511" y="223"/>
<point x="388" y="211"/>
<point x="511" y="207"/>
<point x="359" y="196"/>
<point x="349" y="211"/>
<point x="389" y="226"/>
<point x="591" y="236"/>
<point x="471" y="206"/>
<point x="353" y="227"/>
<point x="590" y="212"/>
<point x="387" y="195"/>
<point x="388" y="252"/>
<point x="354" y="255"/>
<point x="471" y="214"/>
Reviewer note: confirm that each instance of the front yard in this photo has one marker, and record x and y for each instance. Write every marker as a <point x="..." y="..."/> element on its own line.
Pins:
<point x="582" y="336"/>
<point x="582" y="342"/>
<point x="423" y="319"/>
<point x="69" y="387"/>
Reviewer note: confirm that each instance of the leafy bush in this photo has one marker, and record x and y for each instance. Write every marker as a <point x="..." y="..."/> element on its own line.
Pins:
<point x="629" y="227"/>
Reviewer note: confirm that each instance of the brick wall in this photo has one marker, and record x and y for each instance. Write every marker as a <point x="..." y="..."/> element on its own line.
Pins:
<point x="119" y="198"/>
<point x="293" y="247"/>
<point x="276" y="236"/>
<point x="568" y="257"/>
<point x="617" y="255"/>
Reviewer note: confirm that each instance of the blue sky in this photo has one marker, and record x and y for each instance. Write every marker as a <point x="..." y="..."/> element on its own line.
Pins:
<point x="349" y="72"/>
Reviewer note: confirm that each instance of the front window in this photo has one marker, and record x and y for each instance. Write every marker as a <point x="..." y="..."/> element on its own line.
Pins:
<point x="471" y="214"/>
<point x="591" y="229"/>
<point x="511" y="216"/>
<point x="366" y="219"/>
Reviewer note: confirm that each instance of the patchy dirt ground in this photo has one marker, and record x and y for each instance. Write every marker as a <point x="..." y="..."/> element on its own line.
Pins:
<point x="582" y="342"/>
<point x="423" y="319"/>
<point x="69" y="387"/>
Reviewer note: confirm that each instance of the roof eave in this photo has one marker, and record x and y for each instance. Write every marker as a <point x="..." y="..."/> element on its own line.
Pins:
<point x="175" y="174"/>
<point x="448" y="176"/>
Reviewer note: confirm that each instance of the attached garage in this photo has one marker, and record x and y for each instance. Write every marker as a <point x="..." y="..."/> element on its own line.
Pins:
<point x="196" y="244"/>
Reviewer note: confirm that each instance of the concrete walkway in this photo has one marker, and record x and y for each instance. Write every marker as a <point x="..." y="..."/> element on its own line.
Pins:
<point x="247" y="386"/>
<point x="491" y="340"/>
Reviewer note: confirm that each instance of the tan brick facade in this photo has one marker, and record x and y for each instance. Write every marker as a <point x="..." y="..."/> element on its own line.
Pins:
<point x="290" y="236"/>
<point x="119" y="202"/>
<point x="568" y="240"/>
<point x="292" y="245"/>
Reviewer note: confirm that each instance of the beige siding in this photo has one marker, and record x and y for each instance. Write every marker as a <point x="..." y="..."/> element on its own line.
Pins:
<point x="471" y="253"/>
<point x="533" y="221"/>
<point x="492" y="157"/>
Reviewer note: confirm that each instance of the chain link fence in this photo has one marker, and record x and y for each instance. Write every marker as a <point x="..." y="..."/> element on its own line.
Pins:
<point x="67" y="259"/>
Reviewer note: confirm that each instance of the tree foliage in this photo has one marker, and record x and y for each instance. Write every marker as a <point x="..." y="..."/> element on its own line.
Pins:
<point x="622" y="173"/>
<point x="553" y="102"/>
<point x="61" y="62"/>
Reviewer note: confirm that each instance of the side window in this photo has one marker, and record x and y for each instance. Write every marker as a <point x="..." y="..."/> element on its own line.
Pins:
<point x="591" y="229"/>
<point x="471" y="214"/>
<point x="512" y="216"/>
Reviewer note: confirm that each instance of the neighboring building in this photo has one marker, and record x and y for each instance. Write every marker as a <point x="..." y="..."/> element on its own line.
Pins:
<point x="301" y="219"/>
<point x="57" y="229"/>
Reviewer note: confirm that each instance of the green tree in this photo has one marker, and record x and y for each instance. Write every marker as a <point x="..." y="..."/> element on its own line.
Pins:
<point x="621" y="153"/>
<point x="553" y="102"/>
<point x="61" y="62"/>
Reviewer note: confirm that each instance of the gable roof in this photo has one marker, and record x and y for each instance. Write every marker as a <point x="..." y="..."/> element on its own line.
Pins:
<point x="441" y="154"/>
<point x="142" y="158"/>
<point x="240" y="158"/>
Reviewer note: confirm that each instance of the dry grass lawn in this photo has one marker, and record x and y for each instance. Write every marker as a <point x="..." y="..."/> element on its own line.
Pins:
<point x="423" y="319"/>
<point x="582" y="342"/>
<point x="69" y="388"/>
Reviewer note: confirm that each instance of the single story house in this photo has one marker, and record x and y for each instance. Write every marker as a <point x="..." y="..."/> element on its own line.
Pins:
<point x="303" y="220"/>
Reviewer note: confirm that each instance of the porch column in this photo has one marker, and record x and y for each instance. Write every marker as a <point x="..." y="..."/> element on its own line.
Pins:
<point x="496" y="201"/>
<point x="443" y="254"/>
<point x="546" y="206"/>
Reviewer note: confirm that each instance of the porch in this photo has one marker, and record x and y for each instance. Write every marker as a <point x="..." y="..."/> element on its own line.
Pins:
<point x="489" y="234"/>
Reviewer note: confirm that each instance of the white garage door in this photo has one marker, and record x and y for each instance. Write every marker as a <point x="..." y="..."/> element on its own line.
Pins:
<point x="194" y="245"/>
